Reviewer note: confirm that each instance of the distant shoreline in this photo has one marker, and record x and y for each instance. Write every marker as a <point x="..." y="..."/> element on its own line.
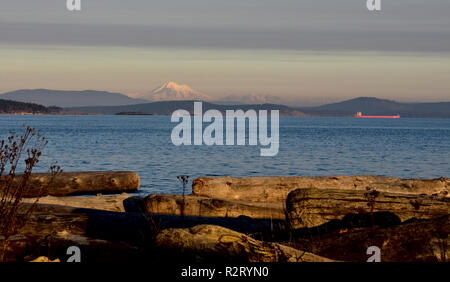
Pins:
<point x="168" y="115"/>
<point x="62" y="103"/>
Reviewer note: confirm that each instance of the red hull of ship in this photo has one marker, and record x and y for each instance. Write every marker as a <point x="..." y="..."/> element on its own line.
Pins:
<point x="360" y="115"/>
<point x="397" y="116"/>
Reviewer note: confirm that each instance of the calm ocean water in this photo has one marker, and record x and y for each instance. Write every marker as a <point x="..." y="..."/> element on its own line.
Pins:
<point x="409" y="148"/>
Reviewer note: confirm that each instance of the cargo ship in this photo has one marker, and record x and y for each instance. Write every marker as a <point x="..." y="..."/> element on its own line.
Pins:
<point x="360" y="115"/>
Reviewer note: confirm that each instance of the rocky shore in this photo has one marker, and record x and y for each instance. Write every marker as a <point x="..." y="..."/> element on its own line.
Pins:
<point x="255" y="219"/>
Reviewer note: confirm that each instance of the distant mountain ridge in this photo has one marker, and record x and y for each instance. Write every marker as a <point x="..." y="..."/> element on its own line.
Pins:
<point x="64" y="98"/>
<point x="182" y="97"/>
<point x="367" y="105"/>
<point x="375" y="106"/>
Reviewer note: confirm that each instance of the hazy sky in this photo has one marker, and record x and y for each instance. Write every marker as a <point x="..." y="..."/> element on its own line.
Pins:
<point x="311" y="51"/>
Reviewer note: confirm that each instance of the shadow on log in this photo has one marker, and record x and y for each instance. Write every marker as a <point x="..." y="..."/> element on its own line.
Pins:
<point x="206" y="243"/>
<point x="412" y="241"/>
<point x="349" y="222"/>
<point x="133" y="229"/>
<point x="124" y="226"/>
<point x="313" y="207"/>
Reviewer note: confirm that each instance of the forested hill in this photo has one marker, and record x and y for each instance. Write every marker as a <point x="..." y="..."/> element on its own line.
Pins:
<point x="375" y="106"/>
<point x="13" y="107"/>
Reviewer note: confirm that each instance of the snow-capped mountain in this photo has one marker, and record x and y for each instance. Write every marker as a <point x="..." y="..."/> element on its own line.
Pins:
<point x="171" y="91"/>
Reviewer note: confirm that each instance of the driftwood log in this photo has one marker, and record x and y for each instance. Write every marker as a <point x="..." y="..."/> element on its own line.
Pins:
<point x="414" y="241"/>
<point x="130" y="234"/>
<point x="123" y="237"/>
<point x="313" y="207"/>
<point x="119" y="203"/>
<point x="276" y="188"/>
<point x="79" y="183"/>
<point x="132" y="227"/>
<point x="206" y="242"/>
<point x="102" y="236"/>
<point x="208" y="207"/>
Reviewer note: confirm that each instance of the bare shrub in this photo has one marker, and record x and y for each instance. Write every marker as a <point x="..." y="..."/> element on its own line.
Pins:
<point x="27" y="147"/>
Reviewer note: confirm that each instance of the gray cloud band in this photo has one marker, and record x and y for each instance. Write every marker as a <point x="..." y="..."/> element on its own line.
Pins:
<point x="138" y="36"/>
<point x="402" y="25"/>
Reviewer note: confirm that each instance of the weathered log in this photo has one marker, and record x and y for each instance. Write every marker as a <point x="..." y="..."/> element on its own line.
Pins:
<point x="210" y="242"/>
<point x="132" y="226"/>
<point x="100" y="228"/>
<point x="313" y="207"/>
<point x="102" y="235"/>
<point x="208" y="207"/>
<point x="79" y="183"/>
<point x="119" y="203"/>
<point x="102" y="239"/>
<point x="276" y="188"/>
<point x="413" y="241"/>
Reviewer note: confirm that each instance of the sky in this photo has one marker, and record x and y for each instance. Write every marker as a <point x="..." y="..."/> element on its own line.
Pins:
<point x="301" y="51"/>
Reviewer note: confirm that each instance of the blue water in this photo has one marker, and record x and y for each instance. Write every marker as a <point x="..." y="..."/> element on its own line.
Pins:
<point x="409" y="148"/>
